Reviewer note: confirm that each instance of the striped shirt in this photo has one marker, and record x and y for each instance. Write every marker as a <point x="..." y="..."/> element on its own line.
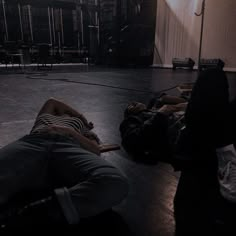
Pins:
<point x="45" y="119"/>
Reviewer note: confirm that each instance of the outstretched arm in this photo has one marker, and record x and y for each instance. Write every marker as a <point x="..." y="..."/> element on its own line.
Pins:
<point x="56" y="107"/>
<point x="86" y="143"/>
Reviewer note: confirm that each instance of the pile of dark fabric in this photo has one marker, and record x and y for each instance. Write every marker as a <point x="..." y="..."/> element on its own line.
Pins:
<point x="145" y="136"/>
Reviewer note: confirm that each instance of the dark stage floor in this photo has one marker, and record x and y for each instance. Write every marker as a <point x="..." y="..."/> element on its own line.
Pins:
<point x="102" y="94"/>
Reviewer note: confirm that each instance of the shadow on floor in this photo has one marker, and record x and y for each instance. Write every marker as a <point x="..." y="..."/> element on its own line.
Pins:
<point x="106" y="224"/>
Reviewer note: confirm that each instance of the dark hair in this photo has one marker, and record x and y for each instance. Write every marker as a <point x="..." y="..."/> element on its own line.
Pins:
<point x="128" y="112"/>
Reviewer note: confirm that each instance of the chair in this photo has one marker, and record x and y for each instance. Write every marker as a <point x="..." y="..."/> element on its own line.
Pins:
<point x="12" y="53"/>
<point x="44" y="56"/>
<point x="2" y="55"/>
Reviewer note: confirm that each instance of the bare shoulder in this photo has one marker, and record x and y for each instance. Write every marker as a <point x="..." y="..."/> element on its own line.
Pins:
<point x="48" y="107"/>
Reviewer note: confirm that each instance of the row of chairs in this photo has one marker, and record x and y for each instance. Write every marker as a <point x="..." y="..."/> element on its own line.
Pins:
<point x="12" y="53"/>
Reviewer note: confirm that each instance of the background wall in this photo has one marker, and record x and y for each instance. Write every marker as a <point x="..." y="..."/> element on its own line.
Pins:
<point x="178" y="31"/>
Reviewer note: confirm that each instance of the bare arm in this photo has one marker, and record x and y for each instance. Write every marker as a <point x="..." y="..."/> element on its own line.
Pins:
<point x="48" y="107"/>
<point x="56" y="107"/>
<point x="86" y="143"/>
<point x="90" y="145"/>
<point x="171" y="100"/>
<point x="169" y="109"/>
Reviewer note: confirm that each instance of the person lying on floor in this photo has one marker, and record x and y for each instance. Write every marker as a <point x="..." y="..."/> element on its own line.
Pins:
<point x="60" y="161"/>
<point x="148" y="133"/>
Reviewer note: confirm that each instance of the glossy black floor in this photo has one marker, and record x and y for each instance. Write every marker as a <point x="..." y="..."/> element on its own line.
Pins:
<point x="102" y="94"/>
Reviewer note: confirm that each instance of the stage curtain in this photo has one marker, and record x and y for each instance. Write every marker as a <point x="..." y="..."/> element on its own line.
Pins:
<point x="178" y="31"/>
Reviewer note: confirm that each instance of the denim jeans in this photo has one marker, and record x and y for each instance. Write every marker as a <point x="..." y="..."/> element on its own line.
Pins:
<point x="84" y="183"/>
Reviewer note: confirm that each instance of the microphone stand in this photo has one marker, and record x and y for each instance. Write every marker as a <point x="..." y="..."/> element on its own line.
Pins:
<point x="202" y="13"/>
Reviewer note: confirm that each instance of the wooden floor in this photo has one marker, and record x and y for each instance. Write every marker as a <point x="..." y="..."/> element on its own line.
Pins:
<point x="102" y="95"/>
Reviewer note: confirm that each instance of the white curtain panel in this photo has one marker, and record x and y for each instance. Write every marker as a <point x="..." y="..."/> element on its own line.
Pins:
<point x="178" y="31"/>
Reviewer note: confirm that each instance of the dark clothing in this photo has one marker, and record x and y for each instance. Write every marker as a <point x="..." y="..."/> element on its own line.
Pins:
<point x="199" y="206"/>
<point x="145" y="135"/>
<point x="206" y="110"/>
<point x="83" y="183"/>
<point x="206" y="123"/>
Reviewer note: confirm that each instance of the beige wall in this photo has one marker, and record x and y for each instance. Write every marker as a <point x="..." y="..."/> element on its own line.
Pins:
<point x="178" y="31"/>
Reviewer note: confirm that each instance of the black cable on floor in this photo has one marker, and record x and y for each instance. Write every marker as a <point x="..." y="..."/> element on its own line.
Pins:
<point x="103" y="85"/>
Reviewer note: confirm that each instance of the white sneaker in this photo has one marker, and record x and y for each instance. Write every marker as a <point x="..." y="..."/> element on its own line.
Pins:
<point x="227" y="172"/>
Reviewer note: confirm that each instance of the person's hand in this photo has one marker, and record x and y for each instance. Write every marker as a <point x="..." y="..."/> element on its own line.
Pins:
<point x="92" y="136"/>
<point x="90" y="125"/>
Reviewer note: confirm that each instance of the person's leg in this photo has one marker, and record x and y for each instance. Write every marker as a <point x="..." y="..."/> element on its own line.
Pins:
<point x="85" y="184"/>
<point x="23" y="167"/>
<point x="23" y="178"/>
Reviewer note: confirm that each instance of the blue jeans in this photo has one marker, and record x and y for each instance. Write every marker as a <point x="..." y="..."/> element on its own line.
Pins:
<point x="84" y="183"/>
